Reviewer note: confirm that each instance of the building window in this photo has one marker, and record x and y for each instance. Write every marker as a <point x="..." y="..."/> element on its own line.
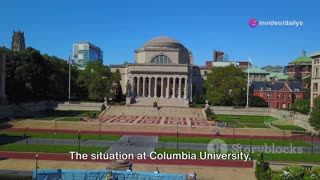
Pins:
<point x="269" y="104"/>
<point x="284" y="106"/>
<point x="268" y="96"/>
<point x="161" y="59"/>
<point x="283" y="89"/>
<point x="316" y="71"/>
<point x="278" y="105"/>
<point x="316" y="61"/>
<point x="278" y="96"/>
<point x="205" y="73"/>
<point x="315" y="87"/>
<point x="296" y="97"/>
<point x="289" y="105"/>
<point x="289" y="96"/>
<point x="284" y="97"/>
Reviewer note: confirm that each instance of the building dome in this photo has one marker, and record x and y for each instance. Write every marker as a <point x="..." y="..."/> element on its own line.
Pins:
<point x="163" y="42"/>
<point x="303" y="59"/>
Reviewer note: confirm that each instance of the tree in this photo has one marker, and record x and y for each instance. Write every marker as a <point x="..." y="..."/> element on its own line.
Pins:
<point x="96" y="80"/>
<point x="314" y="119"/>
<point x="257" y="101"/>
<point x="301" y="105"/>
<point x="116" y="77"/>
<point x="226" y="86"/>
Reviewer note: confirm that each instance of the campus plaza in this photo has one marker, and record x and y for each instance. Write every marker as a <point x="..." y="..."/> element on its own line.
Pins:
<point x="161" y="156"/>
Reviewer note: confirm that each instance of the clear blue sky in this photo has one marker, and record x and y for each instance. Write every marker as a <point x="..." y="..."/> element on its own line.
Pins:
<point x="119" y="27"/>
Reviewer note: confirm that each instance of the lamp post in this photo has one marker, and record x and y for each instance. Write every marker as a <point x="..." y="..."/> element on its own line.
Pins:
<point x="55" y="127"/>
<point x="312" y="144"/>
<point x="250" y="144"/>
<point x="234" y="133"/>
<point x="100" y="129"/>
<point x="37" y="157"/>
<point x="258" y="163"/>
<point x="78" y="136"/>
<point x="177" y="135"/>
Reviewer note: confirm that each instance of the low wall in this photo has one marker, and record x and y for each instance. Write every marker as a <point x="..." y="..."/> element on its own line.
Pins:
<point x="240" y="110"/>
<point x="29" y="109"/>
<point x="83" y="106"/>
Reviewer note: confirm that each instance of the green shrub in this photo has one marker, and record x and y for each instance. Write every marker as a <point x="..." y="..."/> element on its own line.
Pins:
<point x="292" y="172"/>
<point x="103" y="107"/>
<point x="315" y="173"/>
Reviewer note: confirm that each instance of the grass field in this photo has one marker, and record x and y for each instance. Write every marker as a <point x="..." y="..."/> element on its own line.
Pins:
<point x="243" y="118"/>
<point x="236" y="141"/>
<point x="50" y="148"/>
<point x="64" y="115"/>
<point x="289" y="127"/>
<point x="293" y="157"/>
<point x="251" y="125"/>
<point x="240" y="121"/>
<point x="63" y="136"/>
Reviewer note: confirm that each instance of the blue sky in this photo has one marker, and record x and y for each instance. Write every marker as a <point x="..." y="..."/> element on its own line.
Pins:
<point x="119" y="27"/>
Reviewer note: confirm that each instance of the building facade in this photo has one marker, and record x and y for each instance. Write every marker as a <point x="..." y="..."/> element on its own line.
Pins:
<point x="18" y="41"/>
<point x="300" y="68"/>
<point x="2" y="75"/>
<point x="163" y="68"/>
<point x="315" y="78"/>
<point x="256" y="74"/>
<point x="278" y="94"/>
<point x="84" y="52"/>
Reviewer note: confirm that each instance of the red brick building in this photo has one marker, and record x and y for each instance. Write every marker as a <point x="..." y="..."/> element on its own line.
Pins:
<point x="278" y="94"/>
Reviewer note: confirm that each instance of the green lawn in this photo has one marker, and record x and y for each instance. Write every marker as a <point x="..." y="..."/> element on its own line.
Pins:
<point x="243" y="118"/>
<point x="289" y="127"/>
<point x="293" y="157"/>
<point x="236" y="141"/>
<point x="63" y="136"/>
<point x="64" y="115"/>
<point x="50" y="148"/>
<point x="256" y="125"/>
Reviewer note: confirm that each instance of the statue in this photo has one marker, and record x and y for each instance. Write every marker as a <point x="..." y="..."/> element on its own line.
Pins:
<point x="128" y="88"/>
<point x="128" y="98"/>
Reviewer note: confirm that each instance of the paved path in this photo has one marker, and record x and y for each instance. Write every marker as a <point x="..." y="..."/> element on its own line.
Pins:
<point x="139" y="144"/>
<point x="301" y="137"/>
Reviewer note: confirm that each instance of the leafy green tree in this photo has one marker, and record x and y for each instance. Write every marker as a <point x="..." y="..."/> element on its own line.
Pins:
<point x="257" y="101"/>
<point x="226" y="86"/>
<point x="301" y="105"/>
<point x="27" y="76"/>
<point x="117" y="89"/>
<point x="97" y="80"/>
<point x="314" y="119"/>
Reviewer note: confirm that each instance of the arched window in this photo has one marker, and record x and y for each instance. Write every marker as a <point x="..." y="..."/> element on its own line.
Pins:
<point x="161" y="59"/>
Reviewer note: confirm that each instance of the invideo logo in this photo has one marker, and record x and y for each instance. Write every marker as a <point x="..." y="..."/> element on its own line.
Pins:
<point x="253" y="22"/>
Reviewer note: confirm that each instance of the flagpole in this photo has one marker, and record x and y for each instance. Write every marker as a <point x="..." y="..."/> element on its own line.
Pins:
<point x="69" y="60"/>
<point x="248" y="83"/>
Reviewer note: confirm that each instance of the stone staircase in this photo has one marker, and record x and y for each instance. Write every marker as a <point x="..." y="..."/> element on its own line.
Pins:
<point x="150" y="111"/>
<point x="162" y="102"/>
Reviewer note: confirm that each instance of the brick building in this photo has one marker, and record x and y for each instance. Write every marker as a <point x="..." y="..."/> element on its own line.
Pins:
<point x="278" y="94"/>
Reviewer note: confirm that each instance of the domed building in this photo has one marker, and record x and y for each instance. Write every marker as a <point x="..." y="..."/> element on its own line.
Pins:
<point x="163" y="68"/>
<point x="300" y="68"/>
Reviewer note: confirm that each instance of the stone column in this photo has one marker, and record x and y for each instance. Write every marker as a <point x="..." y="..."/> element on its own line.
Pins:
<point x="179" y="93"/>
<point x="149" y="87"/>
<point x="144" y="87"/>
<point x="161" y="88"/>
<point x="185" y="88"/>
<point x="174" y="88"/>
<point x="168" y="86"/>
<point x="155" y="87"/>
<point x="131" y="83"/>
<point x="138" y="87"/>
